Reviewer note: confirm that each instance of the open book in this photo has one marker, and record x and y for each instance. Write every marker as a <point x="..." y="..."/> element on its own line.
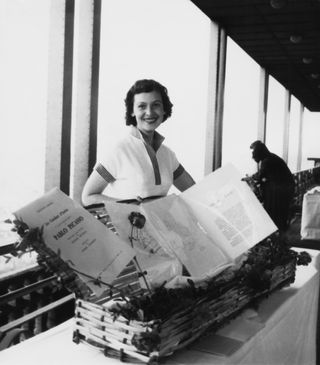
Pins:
<point x="206" y="228"/>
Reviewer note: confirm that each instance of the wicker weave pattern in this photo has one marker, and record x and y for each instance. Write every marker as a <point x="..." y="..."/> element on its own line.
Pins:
<point x="116" y="337"/>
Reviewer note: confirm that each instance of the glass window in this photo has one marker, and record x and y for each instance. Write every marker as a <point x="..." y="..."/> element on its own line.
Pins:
<point x="24" y="31"/>
<point x="310" y="143"/>
<point x="294" y="133"/>
<point x="275" y="117"/>
<point x="154" y="40"/>
<point x="241" y="103"/>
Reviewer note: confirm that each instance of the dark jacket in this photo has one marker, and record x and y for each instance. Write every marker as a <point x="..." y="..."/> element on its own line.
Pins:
<point x="277" y="184"/>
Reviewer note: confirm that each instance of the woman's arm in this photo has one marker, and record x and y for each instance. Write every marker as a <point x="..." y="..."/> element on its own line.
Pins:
<point x="183" y="181"/>
<point x="93" y="188"/>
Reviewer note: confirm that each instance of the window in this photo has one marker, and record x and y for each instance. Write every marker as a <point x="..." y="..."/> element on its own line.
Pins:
<point x="24" y="28"/>
<point x="144" y="41"/>
<point x="294" y="133"/>
<point x="240" y="109"/>
<point x="275" y="117"/>
<point x="310" y="143"/>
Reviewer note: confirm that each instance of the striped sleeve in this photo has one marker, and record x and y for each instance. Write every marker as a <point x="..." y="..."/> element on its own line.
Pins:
<point x="104" y="173"/>
<point x="179" y="170"/>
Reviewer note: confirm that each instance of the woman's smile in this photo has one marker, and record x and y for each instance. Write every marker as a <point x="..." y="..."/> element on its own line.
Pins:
<point x="150" y="120"/>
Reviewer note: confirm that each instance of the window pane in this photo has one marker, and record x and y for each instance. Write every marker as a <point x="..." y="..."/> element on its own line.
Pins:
<point x="294" y="134"/>
<point x="23" y="89"/>
<point x="154" y="40"/>
<point x="310" y="141"/>
<point x="275" y="117"/>
<point x="240" y="109"/>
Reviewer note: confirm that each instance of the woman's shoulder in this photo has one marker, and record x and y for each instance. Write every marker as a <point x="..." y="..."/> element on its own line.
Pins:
<point x="119" y="139"/>
<point x="120" y="143"/>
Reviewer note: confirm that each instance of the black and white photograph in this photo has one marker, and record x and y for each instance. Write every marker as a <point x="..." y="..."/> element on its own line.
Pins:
<point x="160" y="181"/>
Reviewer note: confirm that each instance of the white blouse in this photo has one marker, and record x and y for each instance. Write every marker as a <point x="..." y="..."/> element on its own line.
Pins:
<point x="134" y="169"/>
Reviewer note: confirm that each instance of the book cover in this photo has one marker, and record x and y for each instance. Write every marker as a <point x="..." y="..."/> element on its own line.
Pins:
<point x="78" y="238"/>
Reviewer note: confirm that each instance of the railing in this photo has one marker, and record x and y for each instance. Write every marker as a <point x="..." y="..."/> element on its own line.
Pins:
<point x="304" y="181"/>
<point x="31" y="301"/>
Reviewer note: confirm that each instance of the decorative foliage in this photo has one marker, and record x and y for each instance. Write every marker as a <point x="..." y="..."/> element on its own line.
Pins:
<point x="24" y="237"/>
<point x="146" y="341"/>
<point x="32" y="239"/>
<point x="255" y="273"/>
<point x="303" y="258"/>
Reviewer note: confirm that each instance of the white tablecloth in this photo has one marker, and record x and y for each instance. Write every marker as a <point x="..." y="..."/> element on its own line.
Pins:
<point x="283" y="331"/>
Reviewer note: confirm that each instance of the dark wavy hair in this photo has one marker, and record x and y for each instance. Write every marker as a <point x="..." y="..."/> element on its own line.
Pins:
<point x="146" y="86"/>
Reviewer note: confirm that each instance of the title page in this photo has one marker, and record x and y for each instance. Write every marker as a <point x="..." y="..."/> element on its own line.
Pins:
<point x="81" y="240"/>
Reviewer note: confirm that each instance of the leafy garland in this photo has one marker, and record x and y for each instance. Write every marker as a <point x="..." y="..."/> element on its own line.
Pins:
<point x="32" y="239"/>
<point x="254" y="272"/>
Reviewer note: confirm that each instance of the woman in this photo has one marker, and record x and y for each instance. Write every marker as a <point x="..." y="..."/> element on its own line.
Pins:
<point x="139" y="166"/>
<point x="277" y="184"/>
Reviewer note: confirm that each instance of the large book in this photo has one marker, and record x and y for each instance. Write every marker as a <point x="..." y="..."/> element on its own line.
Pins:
<point x="205" y="229"/>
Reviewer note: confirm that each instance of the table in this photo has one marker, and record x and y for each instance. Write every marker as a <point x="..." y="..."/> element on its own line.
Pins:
<point x="282" y="331"/>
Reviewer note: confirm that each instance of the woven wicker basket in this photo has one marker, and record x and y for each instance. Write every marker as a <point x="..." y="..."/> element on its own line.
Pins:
<point x="148" y="341"/>
<point x="184" y="314"/>
<point x="153" y="325"/>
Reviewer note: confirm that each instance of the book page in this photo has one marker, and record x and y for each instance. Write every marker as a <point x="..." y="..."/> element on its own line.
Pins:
<point x="229" y="211"/>
<point x="177" y="230"/>
<point x="159" y="263"/>
<point x="170" y="238"/>
<point x="81" y="240"/>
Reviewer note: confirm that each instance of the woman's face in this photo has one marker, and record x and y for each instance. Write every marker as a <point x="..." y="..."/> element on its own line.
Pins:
<point x="148" y="111"/>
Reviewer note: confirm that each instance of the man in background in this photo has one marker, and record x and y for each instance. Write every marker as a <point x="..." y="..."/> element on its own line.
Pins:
<point x="277" y="184"/>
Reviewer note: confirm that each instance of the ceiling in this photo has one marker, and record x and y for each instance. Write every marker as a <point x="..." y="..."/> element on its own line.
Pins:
<point x="283" y="36"/>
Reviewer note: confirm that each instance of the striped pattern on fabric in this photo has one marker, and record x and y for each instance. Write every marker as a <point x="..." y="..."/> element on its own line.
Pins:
<point x="155" y="165"/>
<point x="104" y="173"/>
<point x="178" y="172"/>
